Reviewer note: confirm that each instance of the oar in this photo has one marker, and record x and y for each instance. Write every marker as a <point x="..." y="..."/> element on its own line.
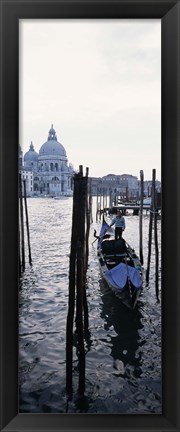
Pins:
<point x="93" y="242"/>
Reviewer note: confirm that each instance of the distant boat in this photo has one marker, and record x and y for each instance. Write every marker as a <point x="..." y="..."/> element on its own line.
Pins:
<point x="147" y="201"/>
<point x="60" y="197"/>
<point x="120" y="267"/>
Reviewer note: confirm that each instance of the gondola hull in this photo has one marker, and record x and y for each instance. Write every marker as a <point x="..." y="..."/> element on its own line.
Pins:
<point x="120" y="268"/>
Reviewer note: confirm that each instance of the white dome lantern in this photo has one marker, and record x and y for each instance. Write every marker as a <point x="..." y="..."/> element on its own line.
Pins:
<point x="52" y="148"/>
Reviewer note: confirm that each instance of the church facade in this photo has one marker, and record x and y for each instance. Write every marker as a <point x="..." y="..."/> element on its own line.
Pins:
<point x="47" y="172"/>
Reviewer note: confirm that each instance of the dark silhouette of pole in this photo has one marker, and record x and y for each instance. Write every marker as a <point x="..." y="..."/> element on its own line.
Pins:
<point x="103" y="200"/>
<point x="100" y="189"/>
<point x="77" y="279"/>
<point x="21" y="224"/>
<point x="150" y="226"/>
<point x="90" y="200"/>
<point x="72" y="281"/>
<point x="141" y="217"/>
<point x="20" y="264"/>
<point x="156" y="240"/>
<point x="97" y="204"/>
<point x="79" y="319"/>
<point x="110" y="200"/>
<point x="86" y="216"/>
<point x="87" y="209"/>
<point x="127" y="193"/>
<point x="27" y="223"/>
<point x="80" y="283"/>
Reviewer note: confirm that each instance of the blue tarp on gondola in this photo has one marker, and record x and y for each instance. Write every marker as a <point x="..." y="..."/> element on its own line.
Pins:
<point x="118" y="275"/>
<point x="104" y="228"/>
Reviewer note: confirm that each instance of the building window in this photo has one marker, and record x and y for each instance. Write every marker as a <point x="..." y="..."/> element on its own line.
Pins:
<point x="35" y="186"/>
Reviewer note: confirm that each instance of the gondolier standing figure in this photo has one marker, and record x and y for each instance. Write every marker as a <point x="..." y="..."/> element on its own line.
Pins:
<point x="119" y="222"/>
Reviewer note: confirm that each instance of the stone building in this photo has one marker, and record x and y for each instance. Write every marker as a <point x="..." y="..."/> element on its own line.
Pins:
<point x="52" y="175"/>
<point x="126" y="185"/>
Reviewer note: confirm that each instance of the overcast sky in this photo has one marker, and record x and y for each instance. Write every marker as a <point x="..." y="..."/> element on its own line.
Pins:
<point x="99" y="83"/>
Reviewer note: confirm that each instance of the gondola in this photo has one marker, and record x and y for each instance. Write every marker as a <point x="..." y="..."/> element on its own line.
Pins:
<point x="120" y="266"/>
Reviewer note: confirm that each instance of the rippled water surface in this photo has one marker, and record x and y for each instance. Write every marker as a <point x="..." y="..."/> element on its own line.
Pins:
<point x="123" y="348"/>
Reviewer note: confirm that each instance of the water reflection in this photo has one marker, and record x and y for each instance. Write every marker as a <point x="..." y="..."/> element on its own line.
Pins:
<point x="126" y="324"/>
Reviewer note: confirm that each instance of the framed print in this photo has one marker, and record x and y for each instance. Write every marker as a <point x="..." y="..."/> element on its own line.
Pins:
<point x="92" y="76"/>
<point x="23" y="406"/>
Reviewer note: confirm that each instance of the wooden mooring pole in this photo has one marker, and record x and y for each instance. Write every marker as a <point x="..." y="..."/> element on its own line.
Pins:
<point x="100" y="203"/>
<point x="156" y="240"/>
<point x="87" y="218"/>
<point x="150" y="227"/>
<point x="72" y="281"/>
<point x="80" y="280"/>
<point x="110" y="199"/>
<point x="153" y="215"/>
<point x="21" y="224"/>
<point x="103" y="203"/>
<point x="20" y="264"/>
<point x="141" y="217"/>
<point x="90" y="200"/>
<point x="77" y="279"/>
<point x="27" y="223"/>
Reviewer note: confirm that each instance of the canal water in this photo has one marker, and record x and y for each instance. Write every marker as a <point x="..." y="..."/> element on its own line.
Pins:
<point x="123" y="348"/>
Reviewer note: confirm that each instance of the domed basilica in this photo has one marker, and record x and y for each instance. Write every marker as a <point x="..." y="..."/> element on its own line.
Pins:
<point x="47" y="172"/>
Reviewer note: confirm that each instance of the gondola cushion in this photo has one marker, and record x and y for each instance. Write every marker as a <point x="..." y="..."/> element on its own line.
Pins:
<point x="113" y="247"/>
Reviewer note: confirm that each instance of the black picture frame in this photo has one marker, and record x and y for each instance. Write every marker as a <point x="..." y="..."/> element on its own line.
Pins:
<point x="169" y="13"/>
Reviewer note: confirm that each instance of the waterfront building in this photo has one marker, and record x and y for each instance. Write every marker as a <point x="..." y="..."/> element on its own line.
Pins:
<point x="52" y="175"/>
<point x="27" y="175"/>
<point x="126" y="185"/>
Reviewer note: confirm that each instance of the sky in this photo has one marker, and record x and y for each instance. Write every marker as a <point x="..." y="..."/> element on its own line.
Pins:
<point x="99" y="83"/>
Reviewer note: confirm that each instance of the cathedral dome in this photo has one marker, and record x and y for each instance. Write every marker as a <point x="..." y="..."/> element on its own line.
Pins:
<point x="52" y="147"/>
<point x="31" y="155"/>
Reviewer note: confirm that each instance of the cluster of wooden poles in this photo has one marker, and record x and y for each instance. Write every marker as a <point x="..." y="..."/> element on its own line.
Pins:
<point x="21" y="227"/>
<point x="102" y="201"/>
<point x="106" y="198"/>
<point x="81" y="219"/>
<point x="153" y="218"/>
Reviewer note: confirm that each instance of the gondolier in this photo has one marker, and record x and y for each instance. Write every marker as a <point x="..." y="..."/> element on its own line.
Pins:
<point x="119" y="222"/>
